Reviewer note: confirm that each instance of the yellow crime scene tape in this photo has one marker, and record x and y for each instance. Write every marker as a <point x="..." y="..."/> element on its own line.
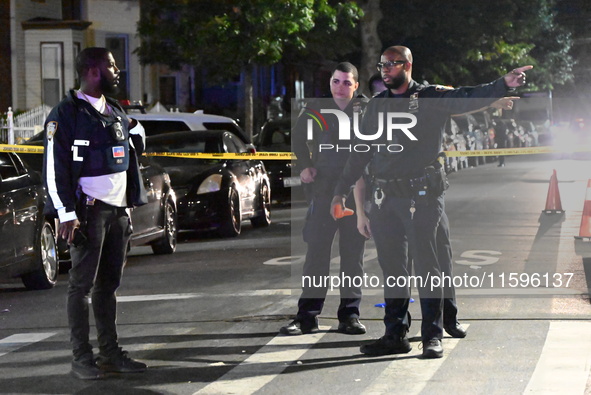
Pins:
<point x="33" y="149"/>
<point x="21" y="149"/>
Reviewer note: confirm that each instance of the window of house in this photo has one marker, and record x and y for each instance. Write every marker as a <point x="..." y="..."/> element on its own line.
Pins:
<point x="52" y="64"/>
<point x="119" y="48"/>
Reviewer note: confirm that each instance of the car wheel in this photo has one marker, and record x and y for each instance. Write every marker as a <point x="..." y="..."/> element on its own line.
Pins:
<point x="264" y="216"/>
<point x="167" y="243"/>
<point x="46" y="261"/>
<point x="231" y="223"/>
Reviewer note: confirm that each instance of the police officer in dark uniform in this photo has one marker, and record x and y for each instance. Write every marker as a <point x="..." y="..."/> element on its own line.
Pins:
<point x="319" y="174"/>
<point x="92" y="177"/>
<point x="444" y="256"/>
<point x="444" y="252"/>
<point x="408" y="184"/>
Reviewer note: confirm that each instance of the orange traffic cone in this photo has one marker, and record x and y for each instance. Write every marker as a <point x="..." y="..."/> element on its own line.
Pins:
<point x="553" y="204"/>
<point x="585" y="228"/>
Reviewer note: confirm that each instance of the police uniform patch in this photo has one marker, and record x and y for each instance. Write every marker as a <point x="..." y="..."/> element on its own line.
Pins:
<point x="51" y="129"/>
<point x="443" y="88"/>
<point x="118" y="152"/>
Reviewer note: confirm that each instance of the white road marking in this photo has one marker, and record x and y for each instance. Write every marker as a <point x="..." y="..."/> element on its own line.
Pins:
<point x="416" y="371"/>
<point x="248" y="377"/>
<point x="480" y="259"/>
<point x="19" y="340"/>
<point x="366" y="291"/>
<point x="190" y="295"/>
<point x="565" y="362"/>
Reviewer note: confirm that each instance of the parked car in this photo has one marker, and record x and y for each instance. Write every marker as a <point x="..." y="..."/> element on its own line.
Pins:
<point x="154" y="223"/>
<point x="28" y="248"/>
<point x="165" y="122"/>
<point x="275" y="136"/>
<point x="214" y="194"/>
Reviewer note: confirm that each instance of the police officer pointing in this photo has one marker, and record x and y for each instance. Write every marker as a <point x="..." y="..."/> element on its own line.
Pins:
<point x="92" y="176"/>
<point x="407" y="184"/>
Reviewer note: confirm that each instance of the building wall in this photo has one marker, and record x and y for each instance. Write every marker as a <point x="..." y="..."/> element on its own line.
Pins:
<point x="33" y="41"/>
<point x="115" y="17"/>
<point x="5" y="60"/>
<point x="24" y="10"/>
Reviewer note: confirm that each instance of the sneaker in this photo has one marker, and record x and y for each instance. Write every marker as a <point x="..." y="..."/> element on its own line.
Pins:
<point x="297" y="327"/>
<point x="119" y="362"/>
<point x="432" y="349"/>
<point x="388" y="344"/>
<point x="456" y="330"/>
<point x="84" y="368"/>
<point x="351" y="326"/>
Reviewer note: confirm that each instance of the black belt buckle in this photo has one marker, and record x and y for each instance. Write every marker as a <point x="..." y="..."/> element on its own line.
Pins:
<point x="90" y="201"/>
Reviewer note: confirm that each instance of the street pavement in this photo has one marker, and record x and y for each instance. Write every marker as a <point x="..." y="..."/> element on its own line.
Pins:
<point x="206" y="318"/>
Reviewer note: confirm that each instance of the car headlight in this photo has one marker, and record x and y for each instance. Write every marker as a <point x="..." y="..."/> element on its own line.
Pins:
<point x="213" y="183"/>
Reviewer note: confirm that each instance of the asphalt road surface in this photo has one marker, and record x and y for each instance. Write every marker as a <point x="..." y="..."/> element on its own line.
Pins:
<point x="206" y="318"/>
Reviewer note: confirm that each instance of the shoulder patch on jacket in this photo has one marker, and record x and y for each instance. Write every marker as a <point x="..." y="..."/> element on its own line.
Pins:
<point x="51" y="129"/>
<point x="443" y="88"/>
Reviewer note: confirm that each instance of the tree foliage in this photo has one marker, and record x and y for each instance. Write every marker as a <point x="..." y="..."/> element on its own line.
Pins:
<point x="464" y="42"/>
<point x="225" y="36"/>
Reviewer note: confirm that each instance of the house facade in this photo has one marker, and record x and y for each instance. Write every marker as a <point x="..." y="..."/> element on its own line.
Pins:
<point x="40" y="40"/>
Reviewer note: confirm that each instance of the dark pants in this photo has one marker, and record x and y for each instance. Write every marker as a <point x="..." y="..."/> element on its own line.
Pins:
<point x="319" y="232"/>
<point x="396" y="235"/>
<point x="444" y="257"/>
<point x="97" y="265"/>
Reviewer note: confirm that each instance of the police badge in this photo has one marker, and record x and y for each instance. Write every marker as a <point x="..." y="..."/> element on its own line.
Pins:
<point x="51" y="129"/>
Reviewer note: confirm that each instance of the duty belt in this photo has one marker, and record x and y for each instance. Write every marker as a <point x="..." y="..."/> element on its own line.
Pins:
<point x="397" y="187"/>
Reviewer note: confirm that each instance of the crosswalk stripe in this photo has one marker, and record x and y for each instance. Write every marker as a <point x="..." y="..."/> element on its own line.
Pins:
<point x="565" y="362"/>
<point x="193" y="295"/>
<point x="416" y="371"/>
<point x="19" y="340"/>
<point x="247" y="377"/>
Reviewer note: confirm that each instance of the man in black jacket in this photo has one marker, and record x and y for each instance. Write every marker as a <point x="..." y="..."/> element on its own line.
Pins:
<point x="92" y="177"/>
<point x="408" y="184"/>
<point x="319" y="171"/>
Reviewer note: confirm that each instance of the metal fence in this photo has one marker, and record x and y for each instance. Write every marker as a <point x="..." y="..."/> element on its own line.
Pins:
<point x="16" y="130"/>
